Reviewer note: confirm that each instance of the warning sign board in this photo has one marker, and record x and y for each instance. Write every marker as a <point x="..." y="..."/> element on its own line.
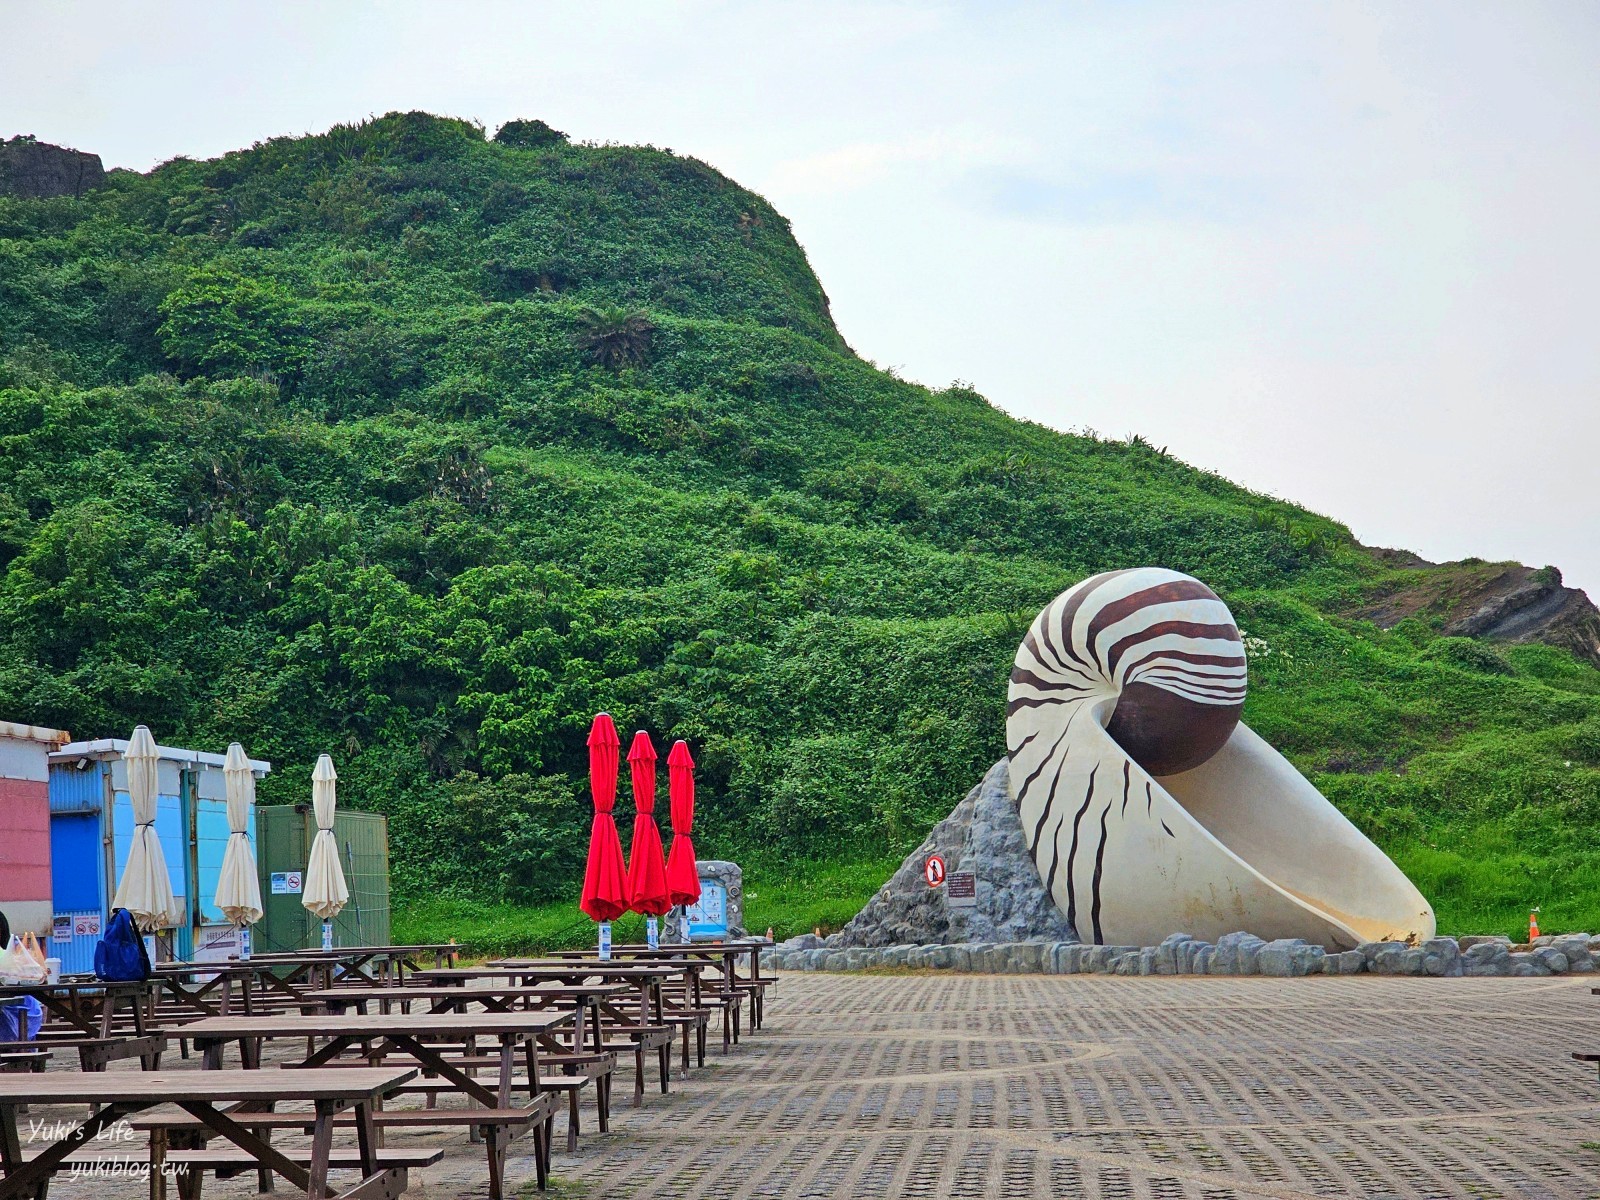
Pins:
<point x="933" y="870"/>
<point x="961" y="891"/>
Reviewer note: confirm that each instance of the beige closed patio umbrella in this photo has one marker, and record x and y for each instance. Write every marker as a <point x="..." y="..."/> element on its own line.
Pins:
<point x="326" y="892"/>
<point x="145" y="888"/>
<point x="238" y="889"/>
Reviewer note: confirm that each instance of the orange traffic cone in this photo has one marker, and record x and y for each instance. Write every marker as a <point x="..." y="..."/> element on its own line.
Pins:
<point x="1533" y="925"/>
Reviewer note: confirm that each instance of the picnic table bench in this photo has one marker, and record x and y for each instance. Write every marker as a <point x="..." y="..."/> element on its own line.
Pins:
<point x="116" y="1095"/>
<point x="187" y="990"/>
<point x="276" y="980"/>
<point x="648" y="1028"/>
<point x="721" y="956"/>
<point x="88" y="1016"/>
<point x="681" y="999"/>
<point x="424" y="1039"/>
<point x="580" y="1063"/>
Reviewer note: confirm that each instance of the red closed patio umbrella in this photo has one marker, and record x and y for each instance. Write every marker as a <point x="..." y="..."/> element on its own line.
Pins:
<point x="605" y="888"/>
<point x="647" y="871"/>
<point x="683" y="876"/>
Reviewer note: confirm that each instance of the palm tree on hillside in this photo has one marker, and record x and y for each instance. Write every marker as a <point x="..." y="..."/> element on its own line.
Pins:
<point x="616" y="337"/>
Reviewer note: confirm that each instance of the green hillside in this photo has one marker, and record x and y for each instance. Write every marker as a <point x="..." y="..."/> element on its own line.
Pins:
<point x="420" y="447"/>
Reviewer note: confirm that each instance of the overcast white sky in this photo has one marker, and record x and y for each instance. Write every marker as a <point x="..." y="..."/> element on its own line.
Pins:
<point x="1347" y="254"/>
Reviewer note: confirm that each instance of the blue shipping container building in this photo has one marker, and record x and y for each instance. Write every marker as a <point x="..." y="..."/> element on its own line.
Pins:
<point x="91" y="827"/>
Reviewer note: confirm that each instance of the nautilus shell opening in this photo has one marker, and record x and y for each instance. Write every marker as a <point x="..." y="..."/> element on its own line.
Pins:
<point x="1151" y="809"/>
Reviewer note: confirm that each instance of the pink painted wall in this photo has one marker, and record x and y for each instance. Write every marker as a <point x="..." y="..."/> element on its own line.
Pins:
<point x="24" y="839"/>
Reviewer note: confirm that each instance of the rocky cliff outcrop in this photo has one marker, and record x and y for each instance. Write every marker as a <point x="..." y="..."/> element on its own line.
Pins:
<point x="1498" y="602"/>
<point x="37" y="170"/>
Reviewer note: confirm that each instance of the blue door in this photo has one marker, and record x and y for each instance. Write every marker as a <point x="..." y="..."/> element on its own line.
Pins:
<point x="75" y="885"/>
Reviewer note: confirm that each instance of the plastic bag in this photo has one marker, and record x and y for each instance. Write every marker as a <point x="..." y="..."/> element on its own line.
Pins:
<point x="17" y="963"/>
<point x="30" y="943"/>
<point x="20" y="1020"/>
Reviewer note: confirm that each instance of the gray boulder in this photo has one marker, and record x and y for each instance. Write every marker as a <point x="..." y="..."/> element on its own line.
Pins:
<point x="1288" y="957"/>
<point x="1236" y="954"/>
<point x="1373" y="949"/>
<point x="1551" y="958"/>
<point x="1487" y="958"/>
<point x="1441" y="956"/>
<point x="1396" y="958"/>
<point x="1172" y="956"/>
<point x="1344" y="962"/>
<point x="1029" y="957"/>
<point x="1064" y="958"/>
<point x="1523" y="963"/>
<point x="1576" y="948"/>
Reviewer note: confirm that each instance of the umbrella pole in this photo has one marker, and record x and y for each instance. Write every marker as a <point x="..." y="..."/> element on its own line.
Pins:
<point x="651" y="934"/>
<point x="605" y="940"/>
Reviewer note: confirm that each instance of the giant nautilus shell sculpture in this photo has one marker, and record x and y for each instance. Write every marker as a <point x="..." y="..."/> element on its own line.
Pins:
<point x="1150" y="808"/>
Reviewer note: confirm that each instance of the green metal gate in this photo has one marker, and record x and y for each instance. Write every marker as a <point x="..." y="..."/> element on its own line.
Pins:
<point x="283" y="840"/>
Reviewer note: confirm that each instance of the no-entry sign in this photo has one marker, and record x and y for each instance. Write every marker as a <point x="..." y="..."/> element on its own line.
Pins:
<point x="933" y="870"/>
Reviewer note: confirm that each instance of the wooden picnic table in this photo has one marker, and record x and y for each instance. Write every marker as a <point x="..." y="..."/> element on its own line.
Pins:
<point x="91" y="1020"/>
<point x="723" y="955"/>
<point x="388" y="961"/>
<point x="118" y="1094"/>
<point x="585" y="1061"/>
<point x="647" y="1028"/>
<point x="581" y="998"/>
<point x="220" y="988"/>
<point x="730" y="994"/>
<point x="405" y="1033"/>
<point x="416" y="1035"/>
<point x="646" y="979"/>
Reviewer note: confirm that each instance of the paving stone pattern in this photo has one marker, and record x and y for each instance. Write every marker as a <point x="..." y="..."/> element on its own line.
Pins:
<point x="1035" y="1086"/>
<point x="939" y="1085"/>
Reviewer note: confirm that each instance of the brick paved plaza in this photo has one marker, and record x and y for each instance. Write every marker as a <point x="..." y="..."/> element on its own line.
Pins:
<point x="1093" y="1086"/>
<point x="1019" y="1086"/>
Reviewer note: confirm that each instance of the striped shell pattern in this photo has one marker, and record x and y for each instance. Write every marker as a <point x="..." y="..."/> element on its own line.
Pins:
<point x="1147" y="806"/>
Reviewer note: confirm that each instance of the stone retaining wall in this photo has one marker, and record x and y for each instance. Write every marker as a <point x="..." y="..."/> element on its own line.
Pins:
<point x="1233" y="954"/>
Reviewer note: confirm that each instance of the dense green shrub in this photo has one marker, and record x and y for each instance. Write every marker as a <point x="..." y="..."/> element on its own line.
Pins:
<point x="364" y="443"/>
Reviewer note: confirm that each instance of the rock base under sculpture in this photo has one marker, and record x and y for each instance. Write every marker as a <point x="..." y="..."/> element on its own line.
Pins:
<point x="1233" y="954"/>
<point x="983" y="835"/>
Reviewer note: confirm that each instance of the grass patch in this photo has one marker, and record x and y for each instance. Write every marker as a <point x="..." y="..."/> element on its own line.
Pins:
<point x="810" y="895"/>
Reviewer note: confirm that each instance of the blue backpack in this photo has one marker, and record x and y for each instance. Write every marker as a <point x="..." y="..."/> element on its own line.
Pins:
<point x="121" y="954"/>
